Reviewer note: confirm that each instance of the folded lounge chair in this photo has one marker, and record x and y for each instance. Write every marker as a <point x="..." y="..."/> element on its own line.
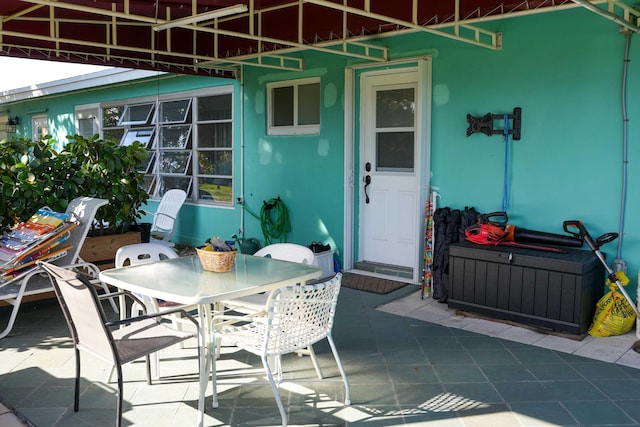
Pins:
<point x="32" y="281"/>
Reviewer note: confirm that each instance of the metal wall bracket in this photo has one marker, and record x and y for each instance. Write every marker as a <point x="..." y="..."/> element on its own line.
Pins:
<point x="484" y="124"/>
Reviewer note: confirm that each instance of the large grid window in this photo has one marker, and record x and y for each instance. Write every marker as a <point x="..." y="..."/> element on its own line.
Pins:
<point x="189" y="139"/>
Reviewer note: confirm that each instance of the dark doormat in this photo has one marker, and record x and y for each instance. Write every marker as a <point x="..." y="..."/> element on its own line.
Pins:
<point x="370" y="284"/>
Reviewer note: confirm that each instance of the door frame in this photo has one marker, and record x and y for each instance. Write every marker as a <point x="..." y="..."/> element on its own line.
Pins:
<point x="351" y="128"/>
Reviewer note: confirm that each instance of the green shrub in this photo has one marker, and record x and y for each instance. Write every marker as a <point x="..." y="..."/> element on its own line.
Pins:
<point x="35" y="175"/>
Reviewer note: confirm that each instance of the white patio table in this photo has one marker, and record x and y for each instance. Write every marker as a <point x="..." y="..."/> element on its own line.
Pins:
<point x="184" y="281"/>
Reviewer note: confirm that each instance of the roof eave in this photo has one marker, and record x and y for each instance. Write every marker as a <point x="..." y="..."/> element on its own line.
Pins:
<point x="100" y="78"/>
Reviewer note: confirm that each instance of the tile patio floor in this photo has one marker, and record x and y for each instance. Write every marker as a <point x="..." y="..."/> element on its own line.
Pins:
<point x="409" y="361"/>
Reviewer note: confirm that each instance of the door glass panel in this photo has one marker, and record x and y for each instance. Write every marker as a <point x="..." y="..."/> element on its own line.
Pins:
<point x="395" y="108"/>
<point x="394" y="151"/>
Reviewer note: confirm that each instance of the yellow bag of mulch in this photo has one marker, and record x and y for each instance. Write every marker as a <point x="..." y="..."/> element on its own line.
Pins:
<point x="614" y="315"/>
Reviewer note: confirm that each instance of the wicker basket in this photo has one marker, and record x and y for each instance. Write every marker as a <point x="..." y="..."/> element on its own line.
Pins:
<point x="218" y="262"/>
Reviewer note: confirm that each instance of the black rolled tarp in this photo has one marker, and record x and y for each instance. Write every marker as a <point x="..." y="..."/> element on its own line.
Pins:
<point x="449" y="226"/>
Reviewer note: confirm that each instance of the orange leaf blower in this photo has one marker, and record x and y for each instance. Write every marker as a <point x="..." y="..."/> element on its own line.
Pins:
<point x="522" y="235"/>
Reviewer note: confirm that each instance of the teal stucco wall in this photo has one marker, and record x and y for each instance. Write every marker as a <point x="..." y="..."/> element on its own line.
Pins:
<point x="565" y="71"/>
<point x="305" y="171"/>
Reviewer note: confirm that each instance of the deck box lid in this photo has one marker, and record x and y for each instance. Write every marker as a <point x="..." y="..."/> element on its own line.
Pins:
<point x="574" y="261"/>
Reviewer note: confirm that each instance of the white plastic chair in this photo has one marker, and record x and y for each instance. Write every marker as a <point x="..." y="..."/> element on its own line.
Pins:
<point x="164" y="219"/>
<point x="297" y="317"/>
<point x="145" y="253"/>
<point x="255" y="304"/>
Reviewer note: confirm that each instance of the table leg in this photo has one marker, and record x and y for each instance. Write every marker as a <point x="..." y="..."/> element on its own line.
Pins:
<point x="203" y="340"/>
<point x="213" y="345"/>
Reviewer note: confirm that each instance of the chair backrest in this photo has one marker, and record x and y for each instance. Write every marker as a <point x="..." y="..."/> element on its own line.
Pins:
<point x="82" y="311"/>
<point x="143" y="253"/>
<point x="84" y="210"/>
<point x="167" y="212"/>
<point x="289" y="252"/>
<point x="300" y="315"/>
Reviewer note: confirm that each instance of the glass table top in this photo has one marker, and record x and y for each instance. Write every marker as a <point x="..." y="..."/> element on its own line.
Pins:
<point x="183" y="280"/>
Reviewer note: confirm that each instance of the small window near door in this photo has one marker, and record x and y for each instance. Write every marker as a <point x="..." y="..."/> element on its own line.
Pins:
<point x="39" y="126"/>
<point x="4" y="118"/>
<point x="294" y="107"/>
<point x="87" y="120"/>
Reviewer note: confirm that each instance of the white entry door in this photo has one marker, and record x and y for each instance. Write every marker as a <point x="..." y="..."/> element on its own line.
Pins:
<point x="389" y="169"/>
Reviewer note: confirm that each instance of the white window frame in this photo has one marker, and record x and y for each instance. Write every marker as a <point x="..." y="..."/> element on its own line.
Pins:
<point x="4" y="118"/>
<point x="296" y="128"/>
<point x="39" y="126"/>
<point x="87" y="115"/>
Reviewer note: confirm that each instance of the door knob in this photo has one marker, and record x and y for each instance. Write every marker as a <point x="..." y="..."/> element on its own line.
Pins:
<point x="367" y="181"/>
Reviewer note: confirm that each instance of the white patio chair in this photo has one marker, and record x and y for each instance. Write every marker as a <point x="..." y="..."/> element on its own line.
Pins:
<point x="145" y="253"/>
<point x="296" y="318"/>
<point x="164" y="219"/>
<point x="92" y="333"/>
<point x="255" y="304"/>
<point x="33" y="282"/>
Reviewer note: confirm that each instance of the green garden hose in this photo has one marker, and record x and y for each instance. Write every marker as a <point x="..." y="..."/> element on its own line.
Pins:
<point x="274" y="220"/>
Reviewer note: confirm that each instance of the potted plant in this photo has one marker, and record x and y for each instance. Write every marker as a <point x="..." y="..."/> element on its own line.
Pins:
<point x="34" y="174"/>
<point x="26" y="180"/>
<point x="108" y="171"/>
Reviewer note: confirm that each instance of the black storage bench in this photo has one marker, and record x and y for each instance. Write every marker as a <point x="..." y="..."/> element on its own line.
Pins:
<point x="557" y="291"/>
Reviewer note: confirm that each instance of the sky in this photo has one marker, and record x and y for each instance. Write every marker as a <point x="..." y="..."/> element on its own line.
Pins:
<point x="18" y="72"/>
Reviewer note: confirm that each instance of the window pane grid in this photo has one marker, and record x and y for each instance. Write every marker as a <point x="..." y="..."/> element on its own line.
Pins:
<point x="183" y="143"/>
<point x="214" y="149"/>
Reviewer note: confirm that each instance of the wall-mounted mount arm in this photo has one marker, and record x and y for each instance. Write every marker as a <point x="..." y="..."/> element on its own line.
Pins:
<point x="484" y="124"/>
